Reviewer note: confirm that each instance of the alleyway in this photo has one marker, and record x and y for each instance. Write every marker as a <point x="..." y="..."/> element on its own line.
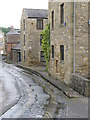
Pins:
<point x="26" y="95"/>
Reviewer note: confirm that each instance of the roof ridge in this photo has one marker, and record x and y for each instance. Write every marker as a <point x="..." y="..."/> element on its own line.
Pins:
<point x="35" y="13"/>
<point x="14" y="31"/>
<point x="34" y="9"/>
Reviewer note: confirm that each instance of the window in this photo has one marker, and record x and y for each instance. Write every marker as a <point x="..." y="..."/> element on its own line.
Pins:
<point x="24" y="40"/>
<point x="39" y="24"/>
<point x="41" y="37"/>
<point x="24" y="56"/>
<point x="23" y="24"/>
<point x="42" y="56"/>
<point x="62" y="13"/>
<point x="52" y="51"/>
<point x="52" y="19"/>
<point x="56" y="66"/>
<point x="62" y="52"/>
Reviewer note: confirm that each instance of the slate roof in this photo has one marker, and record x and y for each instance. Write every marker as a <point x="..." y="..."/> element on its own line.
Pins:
<point x="36" y="13"/>
<point x="17" y="47"/>
<point x="13" y="32"/>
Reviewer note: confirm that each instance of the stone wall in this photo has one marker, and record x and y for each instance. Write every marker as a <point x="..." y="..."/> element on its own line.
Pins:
<point x="62" y="34"/>
<point x="81" y="38"/>
<point x="81" y="85"/>
<point x="13" y="38"/>
<point x="12" y="41"/>
<point x="9" y="46"/>
<point x="32" y="46"/>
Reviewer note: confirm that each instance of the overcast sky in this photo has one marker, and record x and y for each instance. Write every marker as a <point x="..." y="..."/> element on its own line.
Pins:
<point x="11" y="10"/>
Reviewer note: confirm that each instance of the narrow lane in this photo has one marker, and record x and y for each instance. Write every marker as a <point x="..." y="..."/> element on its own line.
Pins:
<point x="28" y="97"/>
<point x="38" y="98"/>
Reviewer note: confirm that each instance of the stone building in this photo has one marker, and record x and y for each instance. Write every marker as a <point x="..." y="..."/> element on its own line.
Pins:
<point x="2" y="43"/>
<point x="33" y="21"/>
<point x="69" y="39"/>
<point x="12" y="39"/>
<point x="16" y="53"/>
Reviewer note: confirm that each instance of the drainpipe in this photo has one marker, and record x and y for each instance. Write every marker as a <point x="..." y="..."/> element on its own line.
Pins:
<point x="73" y="36"/>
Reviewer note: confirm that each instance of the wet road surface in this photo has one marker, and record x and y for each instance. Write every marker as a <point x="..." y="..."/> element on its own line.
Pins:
<point x="26" y="95"/>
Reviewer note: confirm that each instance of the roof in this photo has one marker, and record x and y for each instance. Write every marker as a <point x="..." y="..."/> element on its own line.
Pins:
<point x="17" y="47"/>
<point x="36" y="13"/>
<point x="13" y="32"/>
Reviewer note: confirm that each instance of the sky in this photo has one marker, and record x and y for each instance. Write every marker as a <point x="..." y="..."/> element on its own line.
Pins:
<point x="11" y="10"/>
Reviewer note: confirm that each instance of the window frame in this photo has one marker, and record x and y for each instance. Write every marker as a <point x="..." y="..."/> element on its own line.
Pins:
<point x="24" y="56"/>
<point x="42" y="56"/>
<point x="24" y="24"/>
<point x="39" y="23"/>
<point x="62" y="57"/>
<point x="52" y="51"/>
<point x="62" y="13"/>
<point x="53" y="19"/>
<point x="24" y="40"/>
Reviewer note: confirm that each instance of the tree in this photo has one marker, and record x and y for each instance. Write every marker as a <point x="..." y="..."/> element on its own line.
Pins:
<point x="46" y="44"/>
<point x="5" y="30"/>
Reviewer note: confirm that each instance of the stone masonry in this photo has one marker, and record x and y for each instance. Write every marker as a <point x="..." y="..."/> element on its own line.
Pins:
<point x="12" y="39"/>
<point x="81" y="37"/>
<point x="30" y="35"/>
<point x="2" y="43"/>
<point x="81" y="85"/>
<point x="62" y="34"/>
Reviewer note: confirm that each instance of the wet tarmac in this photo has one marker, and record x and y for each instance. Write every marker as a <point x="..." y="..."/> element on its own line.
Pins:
<point x="26" y="95"/>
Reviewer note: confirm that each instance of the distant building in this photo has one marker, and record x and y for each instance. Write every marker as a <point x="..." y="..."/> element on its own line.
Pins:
<point x="16" y="53"/>
<point x="2" y="43"/>
<point x="12" y="39"/>
<point x="69" y="39"/>
<point x="33" y="21"/>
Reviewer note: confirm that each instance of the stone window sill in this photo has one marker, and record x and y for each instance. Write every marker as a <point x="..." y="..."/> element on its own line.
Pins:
<point x="62" y="25"/>
<point x="39" y="28"/>
<point x="62" y="62"/>
<point x="52" y="59"/>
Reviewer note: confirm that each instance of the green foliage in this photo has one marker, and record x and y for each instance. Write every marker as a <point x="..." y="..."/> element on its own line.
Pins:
<point x="46" y="44"/>
<point x="5" y="30"/>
